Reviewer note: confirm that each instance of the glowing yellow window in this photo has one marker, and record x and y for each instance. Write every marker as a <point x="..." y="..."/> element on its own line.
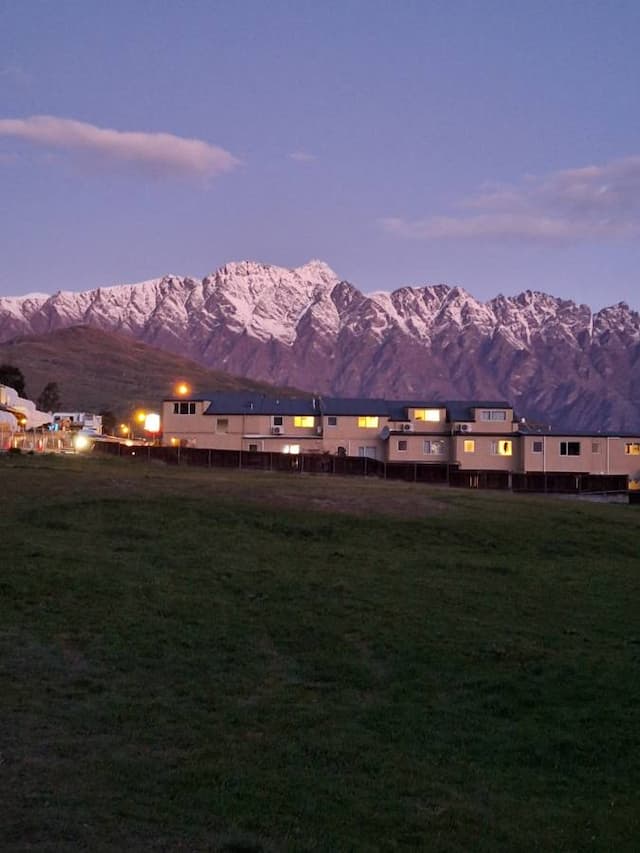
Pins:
<point x="632" y="449"/>
<point x="502" y="448"/>
<point x="368" y="421"/>
<point x="303" y="421"/>
<point x="427" y="415"/>
<point x="469" y="445"/>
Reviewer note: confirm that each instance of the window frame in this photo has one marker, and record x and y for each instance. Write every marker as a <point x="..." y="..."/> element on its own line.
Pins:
<point x="568" y="448"/>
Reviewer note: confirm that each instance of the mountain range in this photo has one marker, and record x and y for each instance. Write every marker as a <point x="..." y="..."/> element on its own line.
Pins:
<point x="556" y="360"/>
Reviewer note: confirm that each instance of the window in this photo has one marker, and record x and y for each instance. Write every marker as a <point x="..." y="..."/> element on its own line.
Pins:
<point x="368" y="421"/>
<point x="569" y="448"/>
<point x="632" y="449"/>
<point x="277" y="420"/>
<point x="493" y="415"/>
<point x="253" y="448"/>
<point x="537" y="447"/>
<point x="303" y="421"/>
<point x="402" y="444"/>
<point x="427" y="415"/>
<point x="595" y="447"/>
<point x="434" y="448"/>
<point x="502" y="448"/>
<point x="222" y="425"/>
<point x="368" y="452"/>
<point x="332" y="420"/>
<point x="469" y="445"/>
<point x="184" y="408"/>
<point x="291" y="448"/>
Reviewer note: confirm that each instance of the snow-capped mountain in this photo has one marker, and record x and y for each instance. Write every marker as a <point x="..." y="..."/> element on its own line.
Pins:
<point x="556" y="360"/>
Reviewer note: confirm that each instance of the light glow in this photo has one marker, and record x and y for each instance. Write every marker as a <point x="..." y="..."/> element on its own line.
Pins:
<point x="152" y="422"/>
<point x="81" y="442"/>
<point x="183" y="388"/>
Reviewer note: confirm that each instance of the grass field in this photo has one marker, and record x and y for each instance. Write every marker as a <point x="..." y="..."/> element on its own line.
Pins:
<point x="205" y="660"/>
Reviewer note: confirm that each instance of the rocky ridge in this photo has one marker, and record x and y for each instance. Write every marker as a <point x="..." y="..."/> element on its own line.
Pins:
<point x="556" y="360"/>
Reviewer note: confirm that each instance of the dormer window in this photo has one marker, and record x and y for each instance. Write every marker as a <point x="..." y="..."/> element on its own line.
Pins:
<point x="431" y="415"/>
<point x="493" y="415"/>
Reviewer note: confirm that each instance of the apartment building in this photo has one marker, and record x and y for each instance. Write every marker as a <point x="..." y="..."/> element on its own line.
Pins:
<point x="469" y="435"/>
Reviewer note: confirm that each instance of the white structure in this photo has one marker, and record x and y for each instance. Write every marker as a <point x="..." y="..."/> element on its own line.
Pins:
<point x="85" y="421"/>
<point x="16" y="411"/>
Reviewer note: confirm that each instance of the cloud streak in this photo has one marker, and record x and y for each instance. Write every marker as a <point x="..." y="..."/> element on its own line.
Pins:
<point x="591" y="203"/>
<point x="302" y="157"/>
<point x="157" y="154"/>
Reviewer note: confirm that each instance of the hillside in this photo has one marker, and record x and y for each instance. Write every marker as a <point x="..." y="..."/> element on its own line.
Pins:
<point x="200" y="660"/>
<point x="557" y="361"/>
<point x="98" y="370"/>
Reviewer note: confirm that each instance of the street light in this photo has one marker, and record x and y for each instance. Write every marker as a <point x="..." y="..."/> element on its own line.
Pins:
<point x="183" y="388"/>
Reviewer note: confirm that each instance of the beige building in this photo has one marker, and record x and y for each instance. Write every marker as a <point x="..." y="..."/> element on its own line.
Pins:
<point x="471" y="436"/>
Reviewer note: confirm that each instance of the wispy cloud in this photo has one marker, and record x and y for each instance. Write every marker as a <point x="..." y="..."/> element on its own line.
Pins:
<point x="14" y="74"/>
<point x="302" y="156"/>
<point x="158" y="154"/>
<point x="590" y="203"/>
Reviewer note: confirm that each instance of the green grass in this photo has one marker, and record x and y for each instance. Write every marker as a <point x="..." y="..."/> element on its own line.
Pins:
<point x="190" y="659"/>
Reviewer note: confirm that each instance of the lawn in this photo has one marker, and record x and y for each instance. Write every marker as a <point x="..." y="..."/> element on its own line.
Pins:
<point x="210" y="660"/>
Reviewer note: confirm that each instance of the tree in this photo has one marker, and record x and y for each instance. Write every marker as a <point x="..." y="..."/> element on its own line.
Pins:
<point x="12" y="376"/>
<point x="49" y="399"/>
<point x="108" y="421"/>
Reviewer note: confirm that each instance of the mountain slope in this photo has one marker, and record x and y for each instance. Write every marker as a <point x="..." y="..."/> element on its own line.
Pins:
<point x="555" y="359"/>
<point x="98" y="370"/>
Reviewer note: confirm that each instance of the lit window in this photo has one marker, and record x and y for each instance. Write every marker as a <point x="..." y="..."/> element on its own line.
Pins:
<point x="291" y="448"/>
<point x="332" y="420"/>
<point x="632" y="449"/>
<point x="368" y="421"/>
<point x="427" y="415"/>
<point x="402" y="444"/>
<point x="303" y="421"/>
<point x="595" y="447"/>
<point x="569" y="448"/>
<point x="537" y="447"/>
<point x="222" y="425"/>
<point x="502" y="448"/>
<point x="493" y="415"/>
<point x="434" y="448"/>
<point x="469" y="445"/>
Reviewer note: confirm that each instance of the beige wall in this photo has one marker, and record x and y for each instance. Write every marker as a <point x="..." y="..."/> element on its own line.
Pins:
<point x="415" y="447"/>
<point x="483" y="455"/>
<point x="598" y="455"/>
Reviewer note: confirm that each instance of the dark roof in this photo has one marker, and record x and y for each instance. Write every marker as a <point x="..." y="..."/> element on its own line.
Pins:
<point x="354" y="406"/>
<point x="247" y="402"/>
<point x="538" y="432"/>
<point x="461" y="410"/>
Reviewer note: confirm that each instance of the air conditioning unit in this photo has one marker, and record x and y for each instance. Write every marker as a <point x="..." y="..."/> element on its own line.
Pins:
<point x="276" y="430"/>
<point x="465" y="427"/>
<point x="407" y="427"/>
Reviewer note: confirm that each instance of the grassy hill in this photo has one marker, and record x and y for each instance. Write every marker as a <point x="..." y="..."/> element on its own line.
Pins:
<point x="213" y="660"/>
<point x="98" y="370"/>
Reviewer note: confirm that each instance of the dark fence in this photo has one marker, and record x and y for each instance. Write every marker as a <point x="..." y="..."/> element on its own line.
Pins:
<point x="569" y="483"/>
<point x="360" y="466"/>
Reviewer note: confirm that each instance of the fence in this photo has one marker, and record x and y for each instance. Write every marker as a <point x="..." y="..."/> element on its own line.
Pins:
<point x="361" y="466"/>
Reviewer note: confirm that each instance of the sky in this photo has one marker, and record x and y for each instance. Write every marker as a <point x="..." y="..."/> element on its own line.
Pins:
<point x="491" y="145"/>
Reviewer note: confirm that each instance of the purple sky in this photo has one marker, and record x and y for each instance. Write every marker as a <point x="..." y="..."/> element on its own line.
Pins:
<point x="493" y="145"/>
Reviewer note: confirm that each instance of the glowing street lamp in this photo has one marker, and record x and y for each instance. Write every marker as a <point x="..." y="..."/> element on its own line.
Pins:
<point x="183" y="388"/>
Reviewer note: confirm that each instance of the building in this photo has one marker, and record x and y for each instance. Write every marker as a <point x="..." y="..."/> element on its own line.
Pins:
<point x="468" y="435"/>
<point x="86" y="421"/>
